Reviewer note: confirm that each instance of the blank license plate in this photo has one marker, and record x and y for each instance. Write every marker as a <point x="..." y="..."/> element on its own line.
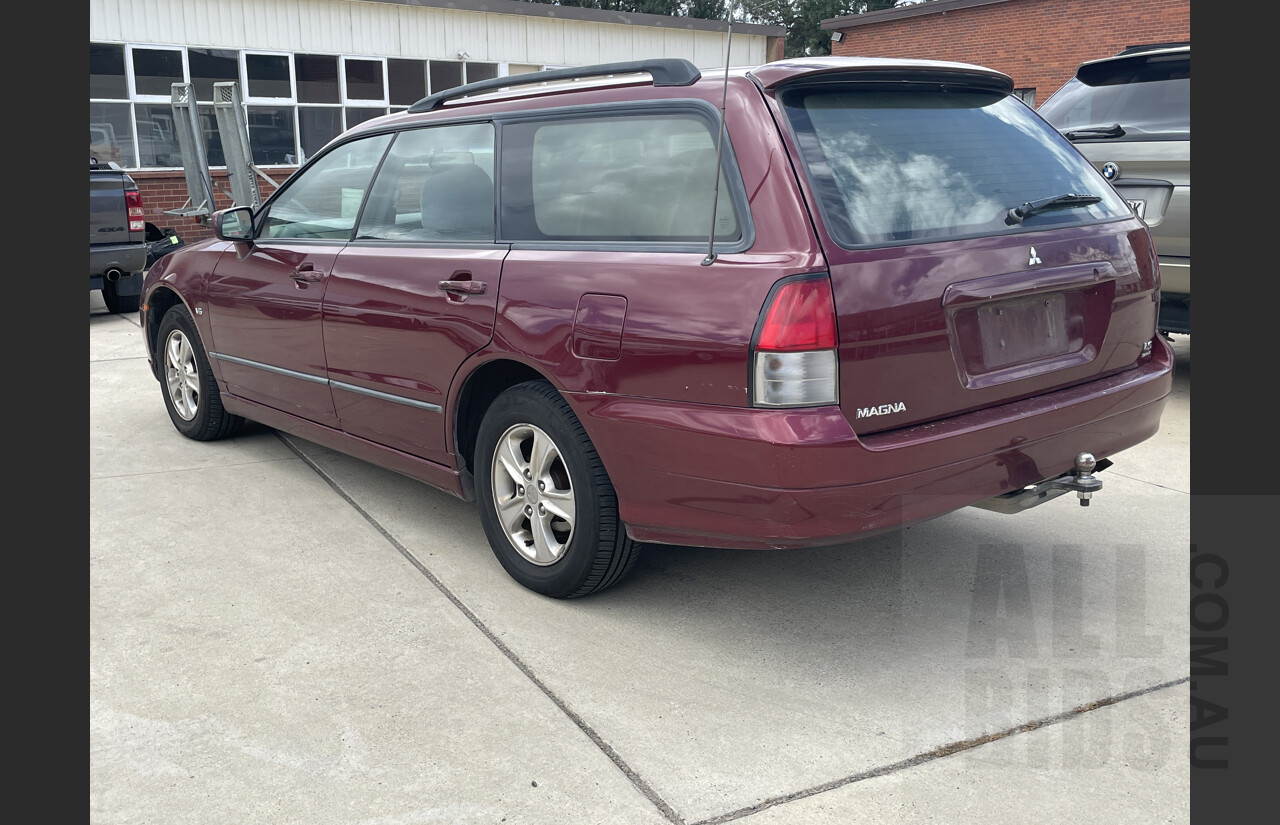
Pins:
<point x="1139" y="207"/>
<point x="1025" y="329"/>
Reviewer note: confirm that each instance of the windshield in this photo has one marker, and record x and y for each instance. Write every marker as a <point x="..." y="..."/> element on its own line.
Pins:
<point x="896" y="166"/>
<point x="1147" y="101"/>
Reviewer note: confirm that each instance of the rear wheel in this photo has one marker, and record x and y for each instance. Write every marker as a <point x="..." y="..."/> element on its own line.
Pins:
<point x="117" y="303"/>
<point x="546" y="503"/>
<point x="190" y="391"/>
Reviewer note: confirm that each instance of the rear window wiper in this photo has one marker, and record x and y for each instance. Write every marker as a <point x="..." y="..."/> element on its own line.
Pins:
<point x="1112" y="131"/>
<point x="1026" y="210"/>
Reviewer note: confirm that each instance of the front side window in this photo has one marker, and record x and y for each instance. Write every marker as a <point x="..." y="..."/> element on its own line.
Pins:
<point x="435" y="185"/>
<point x="617" y="178"/>
<point x="324" y="200"/>
<point x="897" y="166"/>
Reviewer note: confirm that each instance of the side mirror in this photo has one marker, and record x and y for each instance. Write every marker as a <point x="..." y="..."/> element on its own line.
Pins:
<point x="235" y="224"/>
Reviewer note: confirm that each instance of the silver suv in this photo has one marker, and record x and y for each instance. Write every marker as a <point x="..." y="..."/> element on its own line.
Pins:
<point x="1130" y="115"/>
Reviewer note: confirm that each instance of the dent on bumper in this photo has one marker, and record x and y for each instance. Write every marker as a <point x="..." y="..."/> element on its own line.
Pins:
<point x="728" y="477"/>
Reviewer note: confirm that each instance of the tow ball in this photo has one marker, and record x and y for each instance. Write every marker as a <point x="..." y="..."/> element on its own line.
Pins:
<point x="1085" y="482"/>
<point x="1082" y="480"/>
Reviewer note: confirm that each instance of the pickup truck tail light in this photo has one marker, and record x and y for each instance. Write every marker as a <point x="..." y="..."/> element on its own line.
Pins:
<point x="793" y="354"/>
<point x="133" y="200"/>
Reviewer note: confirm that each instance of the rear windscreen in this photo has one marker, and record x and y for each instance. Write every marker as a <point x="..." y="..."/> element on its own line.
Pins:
<point x="903" y="165"/>
<point x="1148" y="97"/>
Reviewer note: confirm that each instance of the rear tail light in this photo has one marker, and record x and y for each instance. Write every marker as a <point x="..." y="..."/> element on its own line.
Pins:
<point x="794" y="354"/>
<point x="133" y="199"/>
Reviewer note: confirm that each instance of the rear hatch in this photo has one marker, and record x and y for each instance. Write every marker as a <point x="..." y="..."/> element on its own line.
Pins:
<point x="1130" y="115"/>
<point x="962" y="277"/>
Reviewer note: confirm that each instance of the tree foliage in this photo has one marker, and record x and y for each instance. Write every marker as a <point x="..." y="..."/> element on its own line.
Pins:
<point x="801" y="18"/>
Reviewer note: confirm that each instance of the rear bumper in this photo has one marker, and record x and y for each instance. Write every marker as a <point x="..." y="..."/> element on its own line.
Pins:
<point x="129" y="258"/>
<point x="122" y="263"/>
<point x="730" y="477"/>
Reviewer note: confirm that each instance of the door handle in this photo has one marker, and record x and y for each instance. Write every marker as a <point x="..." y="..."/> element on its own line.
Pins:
<point x="464" y="287"/>
<point x="306" y="274"/>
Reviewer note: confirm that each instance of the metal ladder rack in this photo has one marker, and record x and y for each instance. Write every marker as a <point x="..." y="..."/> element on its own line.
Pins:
<point x="195" y="161"/>
<point x="233" y="128"/>
<point x="228" y="107"/>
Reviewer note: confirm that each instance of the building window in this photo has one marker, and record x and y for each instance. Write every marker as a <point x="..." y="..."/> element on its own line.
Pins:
<point x="155" y="71"/>
<point x="406" y="81"/>
<point x="294" y="103"/>
<point x="364" y="80"/>
<point x="267" y="76"/>
<point x="106" y="72"/>
<point x="481" y="71"/>
<point x="1028" y="96"/>
<point x="110" y="117"/>
<point x="445" y="74"/>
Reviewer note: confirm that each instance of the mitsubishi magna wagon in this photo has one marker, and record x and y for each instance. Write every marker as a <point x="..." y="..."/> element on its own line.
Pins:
<point x="777" y="307"/>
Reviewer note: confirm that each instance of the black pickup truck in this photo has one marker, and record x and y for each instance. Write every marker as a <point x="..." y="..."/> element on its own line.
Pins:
<point x="117" y="236"/>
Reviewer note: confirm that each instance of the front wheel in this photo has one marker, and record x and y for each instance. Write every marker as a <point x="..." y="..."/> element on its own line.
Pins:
<point x="190" y="391"/>
<point x="548" y="508"/>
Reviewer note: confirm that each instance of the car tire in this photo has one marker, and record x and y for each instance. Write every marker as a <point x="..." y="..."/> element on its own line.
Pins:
<point x="190" y="392"/>
<point x="117" y="303"/>
<point x="547" y="505"/>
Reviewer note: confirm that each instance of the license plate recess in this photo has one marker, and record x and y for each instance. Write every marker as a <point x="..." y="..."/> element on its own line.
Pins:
<point x="1023" y="329"/>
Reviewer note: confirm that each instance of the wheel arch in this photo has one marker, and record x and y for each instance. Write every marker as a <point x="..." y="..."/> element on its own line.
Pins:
<point x="476" y="393"/>
<point x="158" y="303"/>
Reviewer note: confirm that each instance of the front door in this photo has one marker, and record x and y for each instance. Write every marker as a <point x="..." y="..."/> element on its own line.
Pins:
<point x="265" y="296"/>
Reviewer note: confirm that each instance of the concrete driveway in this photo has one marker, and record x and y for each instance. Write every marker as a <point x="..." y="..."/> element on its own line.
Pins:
<point x="282" y="634"/>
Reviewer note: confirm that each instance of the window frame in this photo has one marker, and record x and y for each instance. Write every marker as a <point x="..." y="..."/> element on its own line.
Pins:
<point x="291" y="100"/>
<point x="131" y="78"/>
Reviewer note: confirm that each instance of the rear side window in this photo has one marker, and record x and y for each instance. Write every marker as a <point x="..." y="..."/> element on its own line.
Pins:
<point x="898" y="166"/>
<point x="1149" y="97"/>
<point x="614" y="178"/>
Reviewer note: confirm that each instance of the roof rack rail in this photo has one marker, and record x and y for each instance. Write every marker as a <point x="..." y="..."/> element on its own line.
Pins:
<point x="674" y="71"/>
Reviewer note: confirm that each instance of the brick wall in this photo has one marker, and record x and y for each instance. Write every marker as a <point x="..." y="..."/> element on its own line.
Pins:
<point x="1039" y="43"/>
<point x="168" y="190"/>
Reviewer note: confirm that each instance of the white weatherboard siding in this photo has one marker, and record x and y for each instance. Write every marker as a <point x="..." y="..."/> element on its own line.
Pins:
<point x="394" y="30"/>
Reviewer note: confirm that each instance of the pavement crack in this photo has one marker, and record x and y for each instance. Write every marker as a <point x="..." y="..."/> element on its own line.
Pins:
<point x="636" y="780"/>
<point x="940" y="752"/>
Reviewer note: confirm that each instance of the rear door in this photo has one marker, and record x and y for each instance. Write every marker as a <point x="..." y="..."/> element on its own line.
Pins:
<point x="265" y="297"/>
<point x="946" y="303"/>
<point x="415" y="293"/>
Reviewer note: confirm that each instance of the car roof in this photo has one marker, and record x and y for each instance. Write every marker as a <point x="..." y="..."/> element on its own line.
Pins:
<point x="1138" y="54"/>
<point x="1184" y="45"/>
<point x="678" y="72"/>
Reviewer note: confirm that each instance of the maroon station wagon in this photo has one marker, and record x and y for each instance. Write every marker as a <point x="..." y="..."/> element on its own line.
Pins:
<point x="887" y="289"/>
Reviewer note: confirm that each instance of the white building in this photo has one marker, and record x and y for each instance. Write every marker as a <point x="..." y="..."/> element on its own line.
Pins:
<point x="309" y="69"/>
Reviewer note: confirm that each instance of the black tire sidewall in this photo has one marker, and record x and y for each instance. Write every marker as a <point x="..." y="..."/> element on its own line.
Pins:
<point x="201" y="424"/>
<point x="116" y="303"/>
<point x="538" y="404"/>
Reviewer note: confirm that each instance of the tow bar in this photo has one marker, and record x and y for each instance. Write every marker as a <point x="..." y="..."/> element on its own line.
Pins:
<point x="1081" y="480"/>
